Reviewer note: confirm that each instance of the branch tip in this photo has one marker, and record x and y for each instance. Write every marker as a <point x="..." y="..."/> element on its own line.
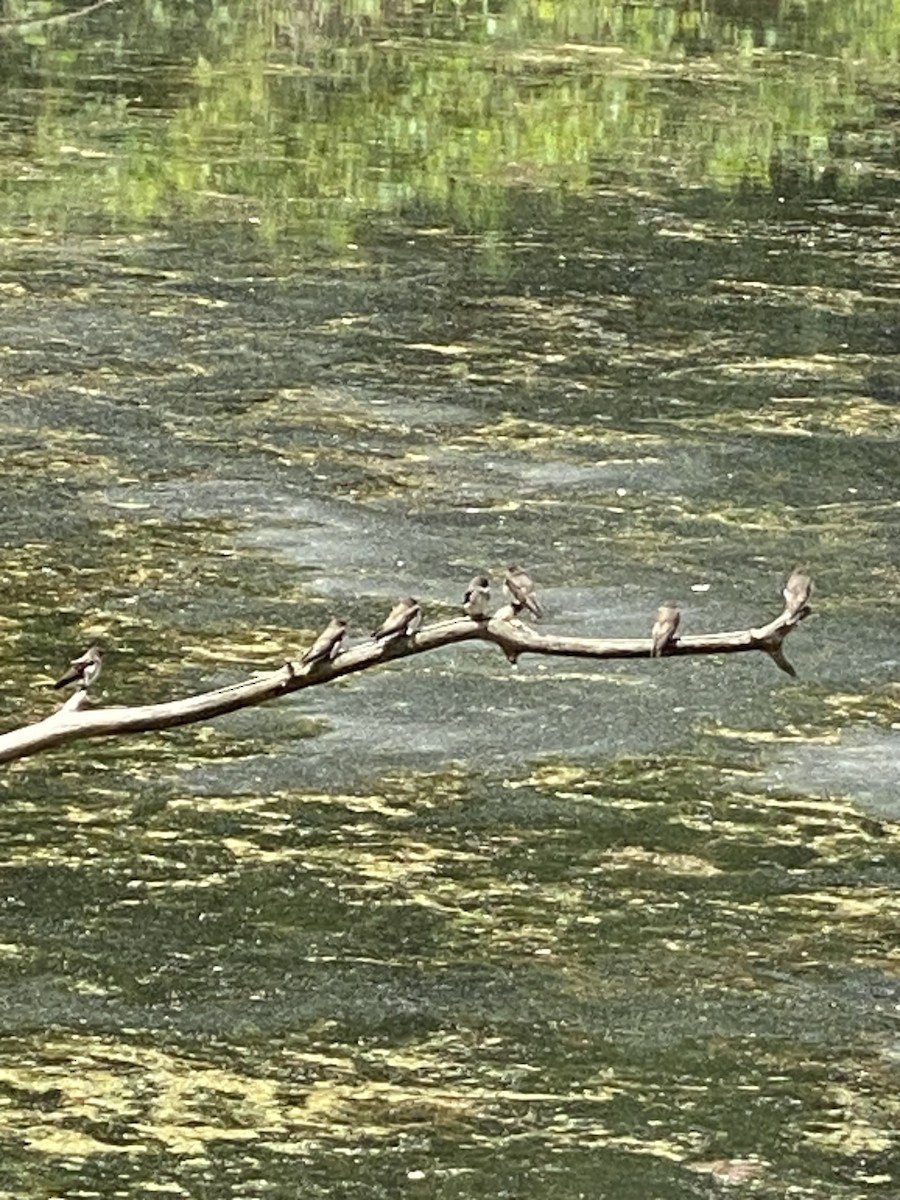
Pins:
<point x="776" y="653"/>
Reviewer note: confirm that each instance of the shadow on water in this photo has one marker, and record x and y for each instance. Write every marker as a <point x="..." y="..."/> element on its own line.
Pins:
<point x="306" y="310"/>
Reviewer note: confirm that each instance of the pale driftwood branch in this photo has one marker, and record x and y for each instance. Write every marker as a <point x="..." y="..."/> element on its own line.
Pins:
<point x="74" y="720"/>
<point x="32" y="23"/>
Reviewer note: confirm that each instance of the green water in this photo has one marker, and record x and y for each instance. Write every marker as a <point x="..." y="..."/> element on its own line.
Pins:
<point x="304" y="308"/>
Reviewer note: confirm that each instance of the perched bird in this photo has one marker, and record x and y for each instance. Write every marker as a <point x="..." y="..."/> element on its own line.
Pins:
<point x="84" y="670"/>
<point x="328" y="644"/>
<point x="403" y="619"/>
<point x="664" y="628"/>
<point x="477" y="598"/>
<point x="519" y="586"/>
<point x="797" y="592"/>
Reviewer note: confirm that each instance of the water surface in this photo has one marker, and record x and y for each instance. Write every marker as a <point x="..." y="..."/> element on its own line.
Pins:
<point x="306" y="310"/>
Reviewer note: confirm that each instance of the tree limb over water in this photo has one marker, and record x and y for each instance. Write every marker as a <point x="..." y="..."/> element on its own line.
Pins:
<point x="74" y="721"/>
<point x="30" y="24"/>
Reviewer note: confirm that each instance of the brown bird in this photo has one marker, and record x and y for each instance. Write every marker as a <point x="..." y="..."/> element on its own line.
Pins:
<point x="664" y="628"/>
<point x="84" y="670"/>
<point x="328" y="644"/>
<point x="402" y="621"/>
<point x="519" y="586"/>
<point x="477" y="598"/>
<point x="797" y="592"/>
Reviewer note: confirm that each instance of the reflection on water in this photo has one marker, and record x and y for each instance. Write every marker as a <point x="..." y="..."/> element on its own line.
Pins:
<point x="304" y="309"/>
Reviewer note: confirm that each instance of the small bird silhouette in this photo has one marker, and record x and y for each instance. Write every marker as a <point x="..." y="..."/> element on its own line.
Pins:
<point x="84" y="670"/>
<point x="664" y="628"/>
<point x="328" y="644"/>
<point x="477" y="598"/>
<point x="797" y="592"/>
<point x="402" y="621"/>
<point x="519" y="586"/>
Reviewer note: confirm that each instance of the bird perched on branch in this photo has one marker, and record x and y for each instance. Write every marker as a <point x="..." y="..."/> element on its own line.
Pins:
<point x="519" y="586"/>
<point x="477" y="598"/>
<point x="665" y="627"/>
<point x="84" y="670"/>
<point x="328" y="644"/>
<point x="402" y="621"/>
<point x="797" y="592"/>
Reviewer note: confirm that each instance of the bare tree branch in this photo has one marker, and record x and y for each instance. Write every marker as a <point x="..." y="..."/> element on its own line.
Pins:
<point x="7" y="28"/>
<point x="73" y="720"/>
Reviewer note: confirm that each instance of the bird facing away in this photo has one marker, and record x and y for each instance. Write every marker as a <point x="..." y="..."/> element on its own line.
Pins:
<point x="519" y="586"/>
<point x="328" y="644"/>
<point x="477" y="598"/>
<point x="664" y="629"/>
<point x="84" y="670"/>
<point x="797" y="592"/>
<point x="402" y="621"/>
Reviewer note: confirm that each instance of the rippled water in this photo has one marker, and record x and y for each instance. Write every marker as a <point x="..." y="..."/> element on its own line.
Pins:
<point x="303" y="310"/>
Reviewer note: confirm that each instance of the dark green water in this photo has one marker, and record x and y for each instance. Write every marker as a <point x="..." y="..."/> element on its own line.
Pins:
<point x="306" y="308"/>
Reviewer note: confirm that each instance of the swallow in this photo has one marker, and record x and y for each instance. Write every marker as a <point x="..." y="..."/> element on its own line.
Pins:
<point x="664" y="627"/>
<point x="477" y="598"/>
<point x="519" y="586"/>
<point x="797" y="592"/>
<point x="402" y="621"/>
<point x="84" y="670"/>
<point x="327" y="645"/>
